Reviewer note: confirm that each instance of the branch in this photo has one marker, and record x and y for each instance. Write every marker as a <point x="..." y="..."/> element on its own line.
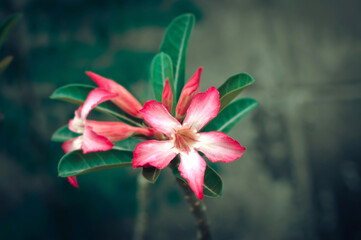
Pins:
<point x="198" y="209"/>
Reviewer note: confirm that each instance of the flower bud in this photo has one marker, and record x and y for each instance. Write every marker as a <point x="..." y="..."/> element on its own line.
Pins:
<point x="188" y="92"/>
<point x="167" y="97"/>
<point x="125" y="100"/>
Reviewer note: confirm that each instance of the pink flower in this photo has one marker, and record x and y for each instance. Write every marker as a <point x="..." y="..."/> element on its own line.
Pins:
<point x="89" y="141"/>
<point x="124" y="99"/>
<point x="98" y="136"/>
<point x="78" y="125"/>
<point x="185" y="139"/>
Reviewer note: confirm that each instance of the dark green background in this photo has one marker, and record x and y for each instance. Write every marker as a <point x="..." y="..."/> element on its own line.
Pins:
<point x="300" y="176"/>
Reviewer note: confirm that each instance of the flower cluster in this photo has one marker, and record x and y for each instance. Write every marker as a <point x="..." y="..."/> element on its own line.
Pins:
<point x="167" y="136"/>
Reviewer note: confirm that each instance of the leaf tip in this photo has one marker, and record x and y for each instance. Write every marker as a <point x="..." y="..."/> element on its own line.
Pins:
<point x="249" y="77"/>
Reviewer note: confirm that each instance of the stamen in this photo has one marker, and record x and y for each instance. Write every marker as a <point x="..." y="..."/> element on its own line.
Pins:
<point x="184" y="139"/>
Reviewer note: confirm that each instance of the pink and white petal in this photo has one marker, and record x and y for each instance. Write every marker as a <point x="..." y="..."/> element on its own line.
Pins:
<point x="192" y="168"/>
<point x="93" y="142"/>
<point x="217" y="146"/>
<point x="167" y="96"/>
<point x="72" y="124"/>
<point x="116" y="131"/>
<point x="95" y="97"/>
<point x="77" y="123"/>
<point x="73" y="181"/>
<point x="158" y="117"/>
<point x="72" y="144"/>
<point x="204" y="107"/>
<point x="125" y="100"/>
<point x="154" y="153"/>
<point x="188" y="93"/>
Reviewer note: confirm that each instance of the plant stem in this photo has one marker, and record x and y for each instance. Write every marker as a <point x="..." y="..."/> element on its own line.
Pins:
<point x="141" y="220"/>
<point x="199" y="211"/>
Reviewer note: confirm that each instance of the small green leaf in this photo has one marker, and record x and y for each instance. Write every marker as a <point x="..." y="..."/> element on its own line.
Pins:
<point x="7" y="25"/>
<point x="63" y="134"/>
<point x="151" y="174"/>
<point x="76" y="163"/>
<point x="77" y="93"/>
<point x="175" y="44"/>
<point x="232" y="87"/>
<point x="162" y="68"/>
<point x="234" y="112"/>
<point x="5" y="63"/>
<point x="213" y="185"/>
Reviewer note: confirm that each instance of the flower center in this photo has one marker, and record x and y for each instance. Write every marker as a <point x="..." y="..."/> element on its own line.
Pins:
<point x="184" y="139"/>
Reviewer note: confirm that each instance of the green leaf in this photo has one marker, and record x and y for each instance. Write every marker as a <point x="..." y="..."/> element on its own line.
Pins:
<point x="63" y="134"/>
<point x="213" y="185"/>
<point x="76" y="163"/>
<point x="234" y="112"/>
<point x="162" y="68"/>
<point x="77" y="93"/>
<point x="151" y="174"/>
<point x="175" y="44"/>
<point x="7" y="25"/>
<point x="232" y="87"/>
<point x="5" y="63"/>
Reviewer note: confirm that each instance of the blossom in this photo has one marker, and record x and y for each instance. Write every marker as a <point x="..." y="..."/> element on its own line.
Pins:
<point x="89" y="141"/>
<point x="96" y="135"/>
<point x="124" y="100"/>
<point x="186" y="140"/>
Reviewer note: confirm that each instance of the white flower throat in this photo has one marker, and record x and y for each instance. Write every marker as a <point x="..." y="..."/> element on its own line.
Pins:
<point x="184" y="139"/>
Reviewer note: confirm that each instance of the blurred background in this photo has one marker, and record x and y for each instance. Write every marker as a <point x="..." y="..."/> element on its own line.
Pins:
<point x="300" y="176"/>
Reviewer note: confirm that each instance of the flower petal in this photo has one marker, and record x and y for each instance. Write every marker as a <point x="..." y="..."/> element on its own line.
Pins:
<point x="158" y="117"/>
<point x="125" y="100"/>
<point x="95" y="97"/>
<point x="77" y="123"/>
<point x="73" y="181"/>
<point x="192" y="168"/>
<point x="188" y="92"/>
<point x="116" y="131"/>
<point x="204" y="107"/>
<point x="154" y="153"/>
<point x="72" y="144"/>
<point x="167" y="97"/>
<point x="217" y="146"/>
<point x="93" y="142"/>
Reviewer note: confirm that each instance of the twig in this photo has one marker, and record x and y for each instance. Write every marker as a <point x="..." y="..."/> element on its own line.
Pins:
<point x="199" y="211"/>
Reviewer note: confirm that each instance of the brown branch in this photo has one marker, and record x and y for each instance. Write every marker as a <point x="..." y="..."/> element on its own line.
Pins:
<point x="198" y="209"/>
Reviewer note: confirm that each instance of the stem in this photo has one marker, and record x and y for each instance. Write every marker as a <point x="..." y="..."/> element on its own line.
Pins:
<point x="135" y="123"/>
<point x="199" y="211"/>
<point x="130" y="121"/>
<point x="141" y="219"/>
